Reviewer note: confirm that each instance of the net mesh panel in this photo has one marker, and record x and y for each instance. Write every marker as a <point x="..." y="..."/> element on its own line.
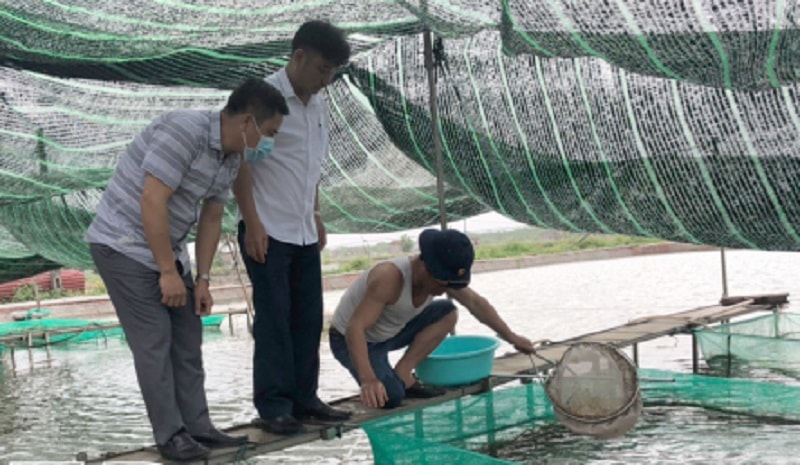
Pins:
<point x="23" y="334"/>
<point x="669" y="119"/>
<point x="67" y="331"/>
<point x="460" y="428"/>
<point x="770" y="341"/>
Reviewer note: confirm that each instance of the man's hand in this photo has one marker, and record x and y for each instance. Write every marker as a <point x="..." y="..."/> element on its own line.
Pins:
<point x="173" y="290"/>
<point x="202" y="298"/>
<point x="373" y="393"/>
<point x="522" y="344"/>
<point x="322" y="233"/>
<point x="256" y="241"/>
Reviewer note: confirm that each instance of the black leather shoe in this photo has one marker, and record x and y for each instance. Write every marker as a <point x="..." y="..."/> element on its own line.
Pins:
<point x="181" y="447"/>
<point x="216" y="438"/>
<point x="418" y="391"/>
<point x="282" y="424"/>
<point x="321" y="411"/>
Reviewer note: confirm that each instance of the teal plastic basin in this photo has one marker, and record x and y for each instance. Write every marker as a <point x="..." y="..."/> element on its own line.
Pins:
<point x="459" y="360"/>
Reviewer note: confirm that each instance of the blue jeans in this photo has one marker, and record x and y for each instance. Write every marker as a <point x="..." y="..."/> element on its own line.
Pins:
<point x="379" y="351"/>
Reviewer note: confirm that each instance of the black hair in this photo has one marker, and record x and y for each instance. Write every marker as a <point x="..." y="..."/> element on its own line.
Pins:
<point x="324" y="38"/>
<point x="258" y="97"/>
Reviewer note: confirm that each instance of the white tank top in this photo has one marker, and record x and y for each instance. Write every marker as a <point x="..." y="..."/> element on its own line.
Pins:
<point x="393" y="318"/>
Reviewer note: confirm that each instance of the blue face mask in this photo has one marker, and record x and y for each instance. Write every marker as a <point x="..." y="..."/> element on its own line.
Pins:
<point x="261" y="151"/>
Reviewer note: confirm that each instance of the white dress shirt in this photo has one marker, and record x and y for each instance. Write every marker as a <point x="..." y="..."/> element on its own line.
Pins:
<point x="285" y="184"/>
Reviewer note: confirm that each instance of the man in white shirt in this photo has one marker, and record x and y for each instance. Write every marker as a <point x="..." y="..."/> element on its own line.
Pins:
<point x="282" y="234"/>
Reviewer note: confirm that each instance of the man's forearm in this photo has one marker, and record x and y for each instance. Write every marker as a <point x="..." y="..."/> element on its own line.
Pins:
<point x="243" y="191"/>
<point x="487" y="315"/>
<point x="155" y="219"/>
<point x="209" y="229"/>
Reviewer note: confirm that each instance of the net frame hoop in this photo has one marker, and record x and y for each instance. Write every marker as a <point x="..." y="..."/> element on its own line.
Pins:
<point x="597" y="420"/>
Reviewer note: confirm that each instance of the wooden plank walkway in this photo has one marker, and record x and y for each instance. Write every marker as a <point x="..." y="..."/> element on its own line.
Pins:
<point x="631" y="333"/>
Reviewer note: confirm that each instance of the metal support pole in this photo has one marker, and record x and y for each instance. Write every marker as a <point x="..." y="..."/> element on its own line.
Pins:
<point x="30" y="350"/>
<point x="694" y="354"/>
<point x="427" y="39"/>
<point x="248" y="300"/>
<point x="729" y="358"/>
<point x="47" y="349"/>
<point x="724" y="272"/>
<point x="636" y="354"/>
<point x="437" y="141"/>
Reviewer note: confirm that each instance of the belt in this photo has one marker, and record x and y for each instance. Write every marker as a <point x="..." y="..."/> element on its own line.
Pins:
<point x="335" y="332"/>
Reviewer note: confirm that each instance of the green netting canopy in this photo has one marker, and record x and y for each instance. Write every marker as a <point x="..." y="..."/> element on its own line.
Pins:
<point x="467" y="430"/>
<point x="674" y="119"/>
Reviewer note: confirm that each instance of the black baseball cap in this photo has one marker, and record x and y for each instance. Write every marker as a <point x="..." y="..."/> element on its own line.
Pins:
<point x="448" y="256"/>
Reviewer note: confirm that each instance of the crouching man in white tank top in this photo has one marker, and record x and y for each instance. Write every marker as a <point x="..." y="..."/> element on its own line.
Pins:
<point x="391" y="306"/>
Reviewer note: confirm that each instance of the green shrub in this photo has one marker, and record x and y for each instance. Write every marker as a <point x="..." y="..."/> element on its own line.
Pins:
<point x="94" y="285"/>
<point x="25" y="293"/>
<point x="356" y="264"/>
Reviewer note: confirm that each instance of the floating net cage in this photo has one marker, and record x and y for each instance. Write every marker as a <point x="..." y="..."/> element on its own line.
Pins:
<point x="46" y="332"/>
<point x="672" y="119"/>
<point x="770" y="341"/>
<point x="467" y="430"/>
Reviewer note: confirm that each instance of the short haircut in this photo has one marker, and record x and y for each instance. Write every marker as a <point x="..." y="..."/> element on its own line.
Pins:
<point x="258" y="97"/>
<point x="324" y="38"/>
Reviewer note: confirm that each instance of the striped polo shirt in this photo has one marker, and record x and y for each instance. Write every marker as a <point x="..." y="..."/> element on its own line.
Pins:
<point x="182" y="149"/>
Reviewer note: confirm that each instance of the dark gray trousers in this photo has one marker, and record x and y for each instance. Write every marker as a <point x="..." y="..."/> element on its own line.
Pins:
<point x="165" y="342"/>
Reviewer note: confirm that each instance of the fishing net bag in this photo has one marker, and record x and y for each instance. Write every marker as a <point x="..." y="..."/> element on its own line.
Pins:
<point x="595" y="391"/>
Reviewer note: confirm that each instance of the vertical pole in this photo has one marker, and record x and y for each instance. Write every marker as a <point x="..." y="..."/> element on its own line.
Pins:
<point x="724" y="272"/>
<point x="30" y="351"/>
<point x="694" y="354"/>
<point x="437" y="141"/>
<point x="237" y="259"/>
<point x="729" y="357"/>
<point x="36" y="294"/>
<point x="427" y="39"/>
<point x="636" y="354"/>
<point x="419" y="424"/>
<point x="47" y="349"/>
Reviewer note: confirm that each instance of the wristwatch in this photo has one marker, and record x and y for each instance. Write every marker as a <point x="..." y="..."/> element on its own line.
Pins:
<point x="203" y="276"/>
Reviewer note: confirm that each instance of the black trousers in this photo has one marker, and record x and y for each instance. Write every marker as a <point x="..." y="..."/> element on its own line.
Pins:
<point x="287" y="296"/>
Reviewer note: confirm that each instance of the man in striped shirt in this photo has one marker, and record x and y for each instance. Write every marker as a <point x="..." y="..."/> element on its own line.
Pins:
<point x="175" y="174"/>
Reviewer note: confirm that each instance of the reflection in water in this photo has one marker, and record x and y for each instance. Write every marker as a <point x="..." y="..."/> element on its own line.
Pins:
<point x="663" y="435"/>
<point x="88" y="399"/>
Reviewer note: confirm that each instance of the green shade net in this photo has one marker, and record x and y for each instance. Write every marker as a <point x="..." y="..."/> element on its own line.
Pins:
<point x="769" y="341"/>
<point x="464" y="430"/>
<point x="673" y="119"/>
